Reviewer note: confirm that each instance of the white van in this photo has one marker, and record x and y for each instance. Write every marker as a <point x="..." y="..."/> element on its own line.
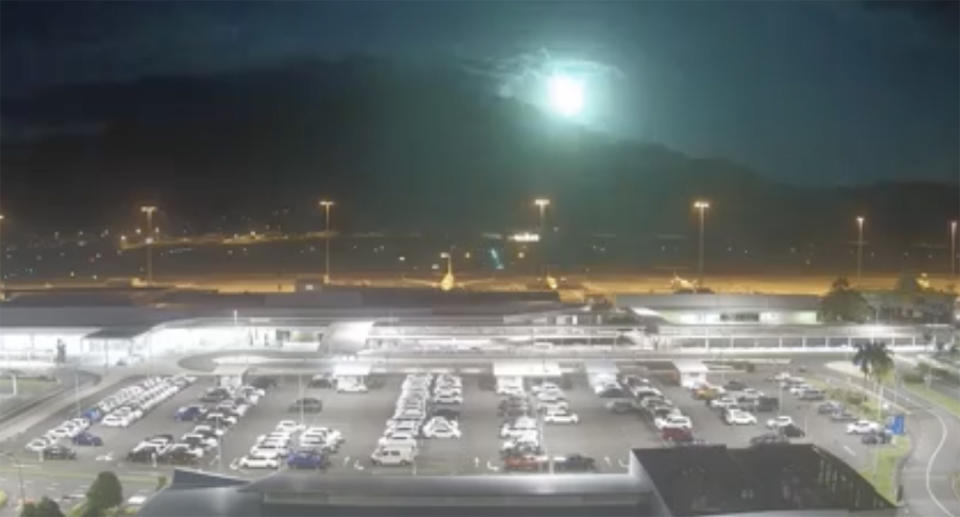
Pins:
<point x="393" y="455"/>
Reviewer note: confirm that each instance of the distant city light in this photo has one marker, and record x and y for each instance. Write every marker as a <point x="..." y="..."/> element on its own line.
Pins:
<point x="525" y="237"/>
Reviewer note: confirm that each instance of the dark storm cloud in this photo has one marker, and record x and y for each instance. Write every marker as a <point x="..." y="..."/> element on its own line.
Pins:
<point x="805" y="92"/>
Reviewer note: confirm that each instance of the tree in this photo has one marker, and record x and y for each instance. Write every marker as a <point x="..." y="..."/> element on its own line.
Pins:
<point x="46" y="507"/>
<point x="875" y="363"/>
<point x="844" y="304"/>
<point x="105" y="492"/>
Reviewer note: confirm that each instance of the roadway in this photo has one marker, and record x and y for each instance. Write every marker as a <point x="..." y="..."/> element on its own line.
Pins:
<point x="929" y="472"/>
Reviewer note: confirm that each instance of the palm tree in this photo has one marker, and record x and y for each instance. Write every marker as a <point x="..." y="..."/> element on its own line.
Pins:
<point x="875" y="362"/>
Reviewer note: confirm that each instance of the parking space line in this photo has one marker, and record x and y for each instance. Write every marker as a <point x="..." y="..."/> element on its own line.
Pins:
<point x="849" y="450"/>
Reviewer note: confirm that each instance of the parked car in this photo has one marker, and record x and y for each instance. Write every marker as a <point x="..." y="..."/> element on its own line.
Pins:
<point x="529" y="462"/>
<point x="86" y="438"/>
<point x="843" y="416"/>
<point x="307" y="405"/>
<point x="446" y="412"/>
<point x="620" y="406"/>
<point x="258" y="461"/>
<point x="863" y="427"/>
<point x="829" y="407"/>
<point x="392" y="455"/>
<point x="673" y="420"/>
<point x="190" y="413"/>
<point x="59" y="452"/>
<point x="723" y="402"/>
<point x="780" y="421"/>
<point x="792" y="431"/>
<point x="307" y="460"/>
<point x="877" y="438"/>
<point x="39" y="444"/>
<point x="734" y="386"/>
<point x="735" y="416"/>
<point x="323" y="380"/>
<point x="677" y="434"/>
<point x="561" y="417"/>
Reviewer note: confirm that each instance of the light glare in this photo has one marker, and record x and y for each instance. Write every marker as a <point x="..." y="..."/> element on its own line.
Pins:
<point x="566" y="95"/>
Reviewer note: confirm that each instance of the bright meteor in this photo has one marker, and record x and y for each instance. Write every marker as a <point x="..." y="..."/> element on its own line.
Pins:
<point x="566" y="95"/>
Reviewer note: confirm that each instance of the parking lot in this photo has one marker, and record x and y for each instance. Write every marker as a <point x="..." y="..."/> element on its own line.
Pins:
<point x="360" y="417"/>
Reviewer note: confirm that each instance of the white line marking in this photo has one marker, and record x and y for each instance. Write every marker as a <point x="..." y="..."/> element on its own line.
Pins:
<point x="849" y="450"/>
<point x="607" y="459"/>
<point x="476" y="462"/>
<point x="933" y="457"/>
<point x="491" y="467"/>
<point x="622" y="463"/>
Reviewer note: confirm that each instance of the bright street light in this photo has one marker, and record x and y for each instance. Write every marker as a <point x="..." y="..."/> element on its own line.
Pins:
<point x="149" y="210"/>
<point x="860" y="220"/>
<point x="542" y="204"/>
<point x="702" y="206"/>
<point x="327" y="205"/>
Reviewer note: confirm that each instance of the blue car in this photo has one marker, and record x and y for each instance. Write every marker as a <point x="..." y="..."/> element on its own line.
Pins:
<point x="86" y="438"/>
<point x="189" y="413"/>
<point x="93" y="414"/>
<point x="307" y="460"/>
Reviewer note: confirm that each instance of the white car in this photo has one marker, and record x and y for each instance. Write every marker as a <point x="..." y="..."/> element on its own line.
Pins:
<point x="546" y="386"/>
<point x="393" y="456"/>
<point x="329" y="432"/>
<point x="289" y="426"/>
<point x="113" y="420"/>
<point x="269" y="450"/>
<point x="439" y="427"/>
<point x="780" y="421"/>
<point x="863" y="427"/>
<point x="410" y="426"/>
<point x="798" y="389"/>
<point x="409" y="414"/>
<point x="557" y="406"/>
<point x="398" y="438"/>
<point x="531" y="439"/>
<point x="520" y="426"/>
<point x="39" y="444"/>
<point x="253" y="461"/>
<point x="205" y="429"/>
<point x="448" y="399"/>
<point x="351" y="387"/>
<point x="673" y="422"/>
<point x="740" y="417"/>
<point x="723" y="402"/>
<point x="561" y="417"/>
<point x="205" y="442"/>
<point x="550" y="396"/>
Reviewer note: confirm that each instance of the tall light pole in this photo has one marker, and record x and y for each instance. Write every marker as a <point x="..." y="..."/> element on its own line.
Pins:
<point x="327" y="205"/>
<point x="860" y="220"/>
<point x="702" y="206"/>
<point x="542" y="204"/>
<point x="149" y="210"/>
<point x="953" y="247"/>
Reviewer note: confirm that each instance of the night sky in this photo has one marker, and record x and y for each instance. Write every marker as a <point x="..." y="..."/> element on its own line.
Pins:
<point x="814" y="93"/>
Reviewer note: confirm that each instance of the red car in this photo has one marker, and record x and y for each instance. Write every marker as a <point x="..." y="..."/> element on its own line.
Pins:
<point x="676" y="434"/>
<point x="524" y="462"/>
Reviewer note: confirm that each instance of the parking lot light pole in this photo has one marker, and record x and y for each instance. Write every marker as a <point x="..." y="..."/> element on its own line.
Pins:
<point x="953" y="248"/>
<point x="702" y="206"/>
<point x="149" y="210"/>
<point x="860" y="220"/>
<point x="327" y="205"/>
